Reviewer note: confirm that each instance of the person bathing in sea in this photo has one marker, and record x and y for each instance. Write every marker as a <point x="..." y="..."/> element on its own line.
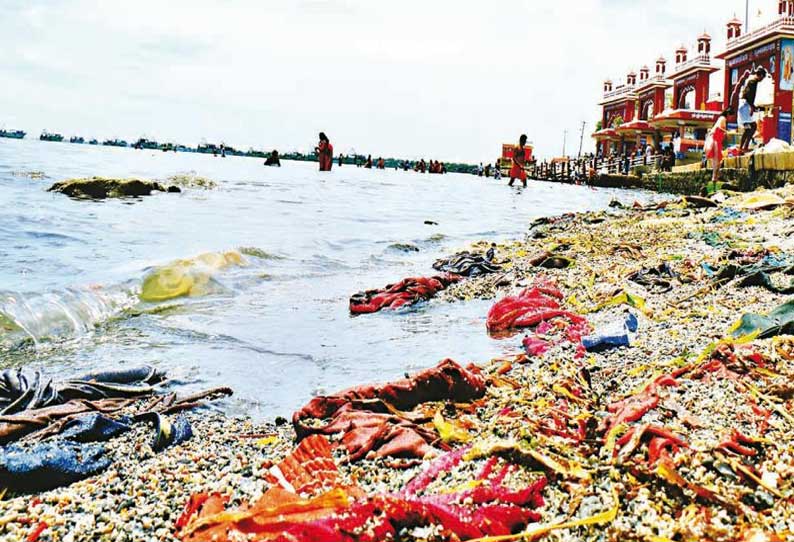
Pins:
<point x="273" y="159"/>
<point x="517" y="171"/>
<point x="325" y="153"/>
<point x="746" y="110"/>
<point x="715" y="140"/>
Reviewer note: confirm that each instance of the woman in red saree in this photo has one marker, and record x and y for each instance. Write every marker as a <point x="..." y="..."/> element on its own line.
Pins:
<point x="517" y="171"/>
<point x="715" y="140"/>
<point x="325" y="153"/>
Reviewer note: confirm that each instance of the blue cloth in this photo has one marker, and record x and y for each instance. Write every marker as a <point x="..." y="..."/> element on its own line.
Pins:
<point x="48" y="465"/>
<point x="727" y="214"/>
<point x="94" y="427"/>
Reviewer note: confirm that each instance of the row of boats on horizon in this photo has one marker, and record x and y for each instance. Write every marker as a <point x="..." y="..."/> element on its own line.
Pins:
<point x="141" y="143"/>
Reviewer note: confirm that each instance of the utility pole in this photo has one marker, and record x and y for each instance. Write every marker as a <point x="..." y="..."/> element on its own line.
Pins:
<point x="746" y="16"/>
<point x="581" y="139"/>
<point x="564" y="140"/>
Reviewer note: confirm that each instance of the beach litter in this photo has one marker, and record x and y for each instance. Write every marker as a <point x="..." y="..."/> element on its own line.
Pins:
<point x="405" y="293"/>
<point x="686" y="435"/>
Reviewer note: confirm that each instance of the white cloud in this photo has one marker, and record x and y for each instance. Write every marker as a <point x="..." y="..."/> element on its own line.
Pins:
<point x="443" y="79"/>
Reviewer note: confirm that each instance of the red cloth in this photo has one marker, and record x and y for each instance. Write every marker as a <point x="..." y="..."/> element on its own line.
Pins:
<point x="367" y="418"/>
<point x="517" y="172"/>
<point x="405" y="293"/>
<point x="326" y="155"/>
<point x="714" y="143"/>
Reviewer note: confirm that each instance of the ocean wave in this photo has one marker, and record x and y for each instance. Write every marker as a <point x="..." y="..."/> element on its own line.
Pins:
<point x="73" y="311"/>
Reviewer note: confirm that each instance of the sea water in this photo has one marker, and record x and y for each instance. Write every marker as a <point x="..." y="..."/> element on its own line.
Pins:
<point x="274" y="325"/>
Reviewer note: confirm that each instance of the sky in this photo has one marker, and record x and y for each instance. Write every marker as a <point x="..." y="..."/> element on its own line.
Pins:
<point x="441" y="79"/>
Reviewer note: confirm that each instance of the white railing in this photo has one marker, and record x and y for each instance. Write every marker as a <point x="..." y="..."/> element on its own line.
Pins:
<point x="750" y="36"/>
<point x="619" y="91"/>
<point x="617" y="166"/>
<point x="653" y="80"/>
<point x="699" y="60"/>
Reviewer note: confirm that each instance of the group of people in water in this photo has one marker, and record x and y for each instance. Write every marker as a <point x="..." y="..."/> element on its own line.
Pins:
<point x="325" y="157"/>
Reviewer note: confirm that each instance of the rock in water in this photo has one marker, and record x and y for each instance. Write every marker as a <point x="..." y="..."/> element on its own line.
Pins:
<point x="101" y="188"/>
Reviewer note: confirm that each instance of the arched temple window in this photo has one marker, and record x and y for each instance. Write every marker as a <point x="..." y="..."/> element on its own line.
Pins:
<point x="646" y="110"/>
<point x="686" y="98"/>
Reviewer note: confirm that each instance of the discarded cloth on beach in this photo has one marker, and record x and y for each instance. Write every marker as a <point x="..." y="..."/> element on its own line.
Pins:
<point x="404" y="293"/>
<point x="40" y="423"/>
<point x="538" y="303"/>
<point x="655" y="279"/>
<point x="20" y="391"/>
<point x="372" y="419"/>
<point x="467" y="264"/>
<point x="76" y="454"/>
<point x="307" y="503"/>
<point x="711" y="238"/>
<point x="613" y="335"/>
<point x="553" y="261"/>
<point x="779" y="321"/>
<point x="727" y="214"/>
<point x="95" y="427"/>
<point x="756" y="269"/>
<point x="47" y="465"/>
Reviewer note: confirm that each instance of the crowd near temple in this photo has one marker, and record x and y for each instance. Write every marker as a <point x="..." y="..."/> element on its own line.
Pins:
<point x="671" y="107"/>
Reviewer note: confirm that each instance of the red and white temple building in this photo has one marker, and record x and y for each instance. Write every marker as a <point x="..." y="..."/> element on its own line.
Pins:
<point x="649" y="110"/>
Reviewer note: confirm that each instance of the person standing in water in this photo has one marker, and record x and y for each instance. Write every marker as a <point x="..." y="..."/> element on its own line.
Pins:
<point x="517" y="171"/>
<point x="715" y="141"/>
<point x="325" y="153"/>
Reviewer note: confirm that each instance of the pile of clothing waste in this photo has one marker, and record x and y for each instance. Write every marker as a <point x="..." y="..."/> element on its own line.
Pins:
<point x="52" y="431"/>
<point x="757" y="268"/>
<point x="308" y="502"/>
<point x="468" y="264"/>
<point x="21" y="391"/>
<point x="376" y="420"/>
<point x="405" y="293"/>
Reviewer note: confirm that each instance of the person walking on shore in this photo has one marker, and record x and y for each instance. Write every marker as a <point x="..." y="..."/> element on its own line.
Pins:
<point x="517" y="171"/>
<point x="715" y="140"/>
<point x="325" y="153"/>
<point x="746" y="110"/>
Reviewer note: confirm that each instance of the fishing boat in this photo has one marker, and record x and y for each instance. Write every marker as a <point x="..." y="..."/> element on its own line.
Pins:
<point x="12" y="134"/>
<point x="77" y="140"/>
<point x="144" y="143"/>
<point x="115" y="143"/>
<point x="47" y="136"/>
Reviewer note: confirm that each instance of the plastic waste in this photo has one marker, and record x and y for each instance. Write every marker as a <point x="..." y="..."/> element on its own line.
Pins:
<point x="775" y="145"/>
<point x="613" y="335"/>
<point x="759" y="200"/>
<point x="49" y="465"/>
<point x="780" y="321"/>
<point x="168" y="433"/>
